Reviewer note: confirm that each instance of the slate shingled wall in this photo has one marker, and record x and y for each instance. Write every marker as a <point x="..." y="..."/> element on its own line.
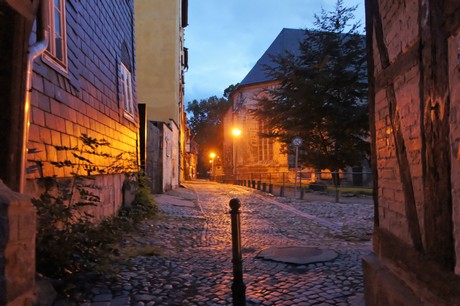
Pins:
<point x="86" y="98"/>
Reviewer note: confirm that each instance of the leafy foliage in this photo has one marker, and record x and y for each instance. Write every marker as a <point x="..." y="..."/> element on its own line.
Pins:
<point x="68" y="241"/>
<point x="228" y="91"/>
<point x="206" y="124"/>
<point x="322" y="94"/>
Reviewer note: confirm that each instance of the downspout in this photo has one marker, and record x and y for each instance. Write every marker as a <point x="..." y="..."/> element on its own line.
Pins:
<point x="34" y="51"/>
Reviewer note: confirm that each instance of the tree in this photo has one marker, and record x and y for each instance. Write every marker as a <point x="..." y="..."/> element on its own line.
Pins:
<point x="206" y="127"/>
<point x="322" y="94"/>
<point x="228" y="91"/>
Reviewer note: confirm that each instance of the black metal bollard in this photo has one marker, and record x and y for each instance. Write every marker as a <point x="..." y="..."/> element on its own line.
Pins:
<point x="264" y="187"/>
<point x="282" y="191"/>
<point x="258" y="185"/>
<point x="254" y="184"/>
<point x="238" y="286"/>
<point x="270" y="188"/>
<point x="302" y="193"/>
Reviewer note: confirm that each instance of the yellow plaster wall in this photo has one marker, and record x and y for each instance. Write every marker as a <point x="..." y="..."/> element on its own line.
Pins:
<point x="158" y="45"/>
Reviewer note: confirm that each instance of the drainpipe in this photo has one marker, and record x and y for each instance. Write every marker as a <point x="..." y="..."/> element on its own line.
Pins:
<point x="34" y="51"/>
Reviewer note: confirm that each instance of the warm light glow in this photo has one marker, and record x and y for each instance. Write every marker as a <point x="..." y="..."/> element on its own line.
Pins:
<point x="236" y="132"/>
<point x="212" y="155"/>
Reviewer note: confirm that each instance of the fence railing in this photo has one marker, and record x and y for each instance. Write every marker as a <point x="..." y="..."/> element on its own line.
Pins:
<point x="291" y="178"/>
<point x="294" y="184"/>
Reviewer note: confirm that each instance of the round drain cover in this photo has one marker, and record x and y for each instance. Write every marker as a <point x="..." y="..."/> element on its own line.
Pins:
<point x="297" y="254"/>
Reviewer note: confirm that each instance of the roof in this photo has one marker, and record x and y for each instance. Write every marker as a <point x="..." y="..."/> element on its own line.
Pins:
<point x="287" y="40"/>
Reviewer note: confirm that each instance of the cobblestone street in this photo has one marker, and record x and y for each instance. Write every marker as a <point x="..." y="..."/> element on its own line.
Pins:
<point x="192" y="242"/>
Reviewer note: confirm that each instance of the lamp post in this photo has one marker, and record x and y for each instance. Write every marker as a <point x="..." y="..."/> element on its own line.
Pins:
<point x="296" y="142"/>
<point x="236" y="133"/>
<point x="212" y="155"/>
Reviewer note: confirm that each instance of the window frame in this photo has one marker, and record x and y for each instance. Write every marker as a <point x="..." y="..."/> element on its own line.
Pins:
<point x="50" y="54"/>
<point x="126" y="92"/>
<point x="265" y="145"/>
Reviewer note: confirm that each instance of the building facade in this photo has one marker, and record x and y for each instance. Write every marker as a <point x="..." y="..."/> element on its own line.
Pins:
<point x="161" y="62"/>
<point x="414" y="49"/>
<point x="68" y="74"/>
<point x="85" y="84"/>
<point x="249" y="153"/>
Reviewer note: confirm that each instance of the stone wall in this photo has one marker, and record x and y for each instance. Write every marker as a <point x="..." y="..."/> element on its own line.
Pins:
<point x="17" y="248"/>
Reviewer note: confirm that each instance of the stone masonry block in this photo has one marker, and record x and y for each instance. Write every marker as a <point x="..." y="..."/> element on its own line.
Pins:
<point x="17" y="244"/>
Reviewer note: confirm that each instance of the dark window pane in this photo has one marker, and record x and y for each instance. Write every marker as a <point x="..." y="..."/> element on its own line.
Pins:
<point x="57" y="22"/>
<point x="59" y="53"/>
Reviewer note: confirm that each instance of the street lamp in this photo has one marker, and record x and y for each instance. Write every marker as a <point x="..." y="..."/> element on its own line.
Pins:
<point x="212" y="155"/>
<point x="296" y="142"/>
<point x="236" y="133"/>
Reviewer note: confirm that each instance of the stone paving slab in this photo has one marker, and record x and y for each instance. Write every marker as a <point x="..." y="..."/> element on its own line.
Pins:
<point x="163" y="199"/>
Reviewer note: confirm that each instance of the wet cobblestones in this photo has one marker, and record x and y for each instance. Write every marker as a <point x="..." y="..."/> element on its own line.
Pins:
<point x="191" y="264"/>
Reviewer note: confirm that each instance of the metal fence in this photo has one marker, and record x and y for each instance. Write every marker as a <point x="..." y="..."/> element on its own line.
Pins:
<point x="295" y="184"/>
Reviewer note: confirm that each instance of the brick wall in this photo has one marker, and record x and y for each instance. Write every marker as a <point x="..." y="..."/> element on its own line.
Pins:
<point x="400" y="31"/>
<point x="413" y="261"/>
<point x="86" y="99"/>
<point x="454" y="76"/>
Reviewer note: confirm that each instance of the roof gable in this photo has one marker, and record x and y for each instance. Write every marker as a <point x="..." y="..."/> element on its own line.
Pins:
<point x="287" y="40"/>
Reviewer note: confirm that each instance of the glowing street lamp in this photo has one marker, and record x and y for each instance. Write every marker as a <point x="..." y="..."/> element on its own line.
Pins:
<point x="212" y="155"/>
<point x="236" y="132"/>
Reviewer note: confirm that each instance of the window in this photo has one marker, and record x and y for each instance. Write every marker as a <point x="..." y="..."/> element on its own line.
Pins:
<point x="126" y="91"/>
<point x="265" y="145"/>
<point x="57" y="47"/>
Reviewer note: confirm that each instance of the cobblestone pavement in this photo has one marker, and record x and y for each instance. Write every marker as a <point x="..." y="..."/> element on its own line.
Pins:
<point x="191" y="259"/>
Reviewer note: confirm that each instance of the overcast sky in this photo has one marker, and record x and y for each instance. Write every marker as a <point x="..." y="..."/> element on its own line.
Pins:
<point x="225" y="38"/>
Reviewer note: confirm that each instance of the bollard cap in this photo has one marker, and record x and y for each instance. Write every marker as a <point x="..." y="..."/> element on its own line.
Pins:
<point x="235" y="204"/>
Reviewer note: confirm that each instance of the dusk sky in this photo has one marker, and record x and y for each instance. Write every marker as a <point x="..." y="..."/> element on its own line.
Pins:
<point x="226" y="38"/>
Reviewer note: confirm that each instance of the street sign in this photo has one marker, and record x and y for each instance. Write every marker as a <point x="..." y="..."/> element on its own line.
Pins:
<point x="297" y="141"/>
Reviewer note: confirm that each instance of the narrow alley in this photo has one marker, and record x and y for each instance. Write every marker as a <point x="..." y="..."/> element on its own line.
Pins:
<point x="190" y="251"/>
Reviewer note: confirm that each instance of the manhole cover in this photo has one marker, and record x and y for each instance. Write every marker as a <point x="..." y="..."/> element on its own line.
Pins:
<point x="297" y="254"/>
